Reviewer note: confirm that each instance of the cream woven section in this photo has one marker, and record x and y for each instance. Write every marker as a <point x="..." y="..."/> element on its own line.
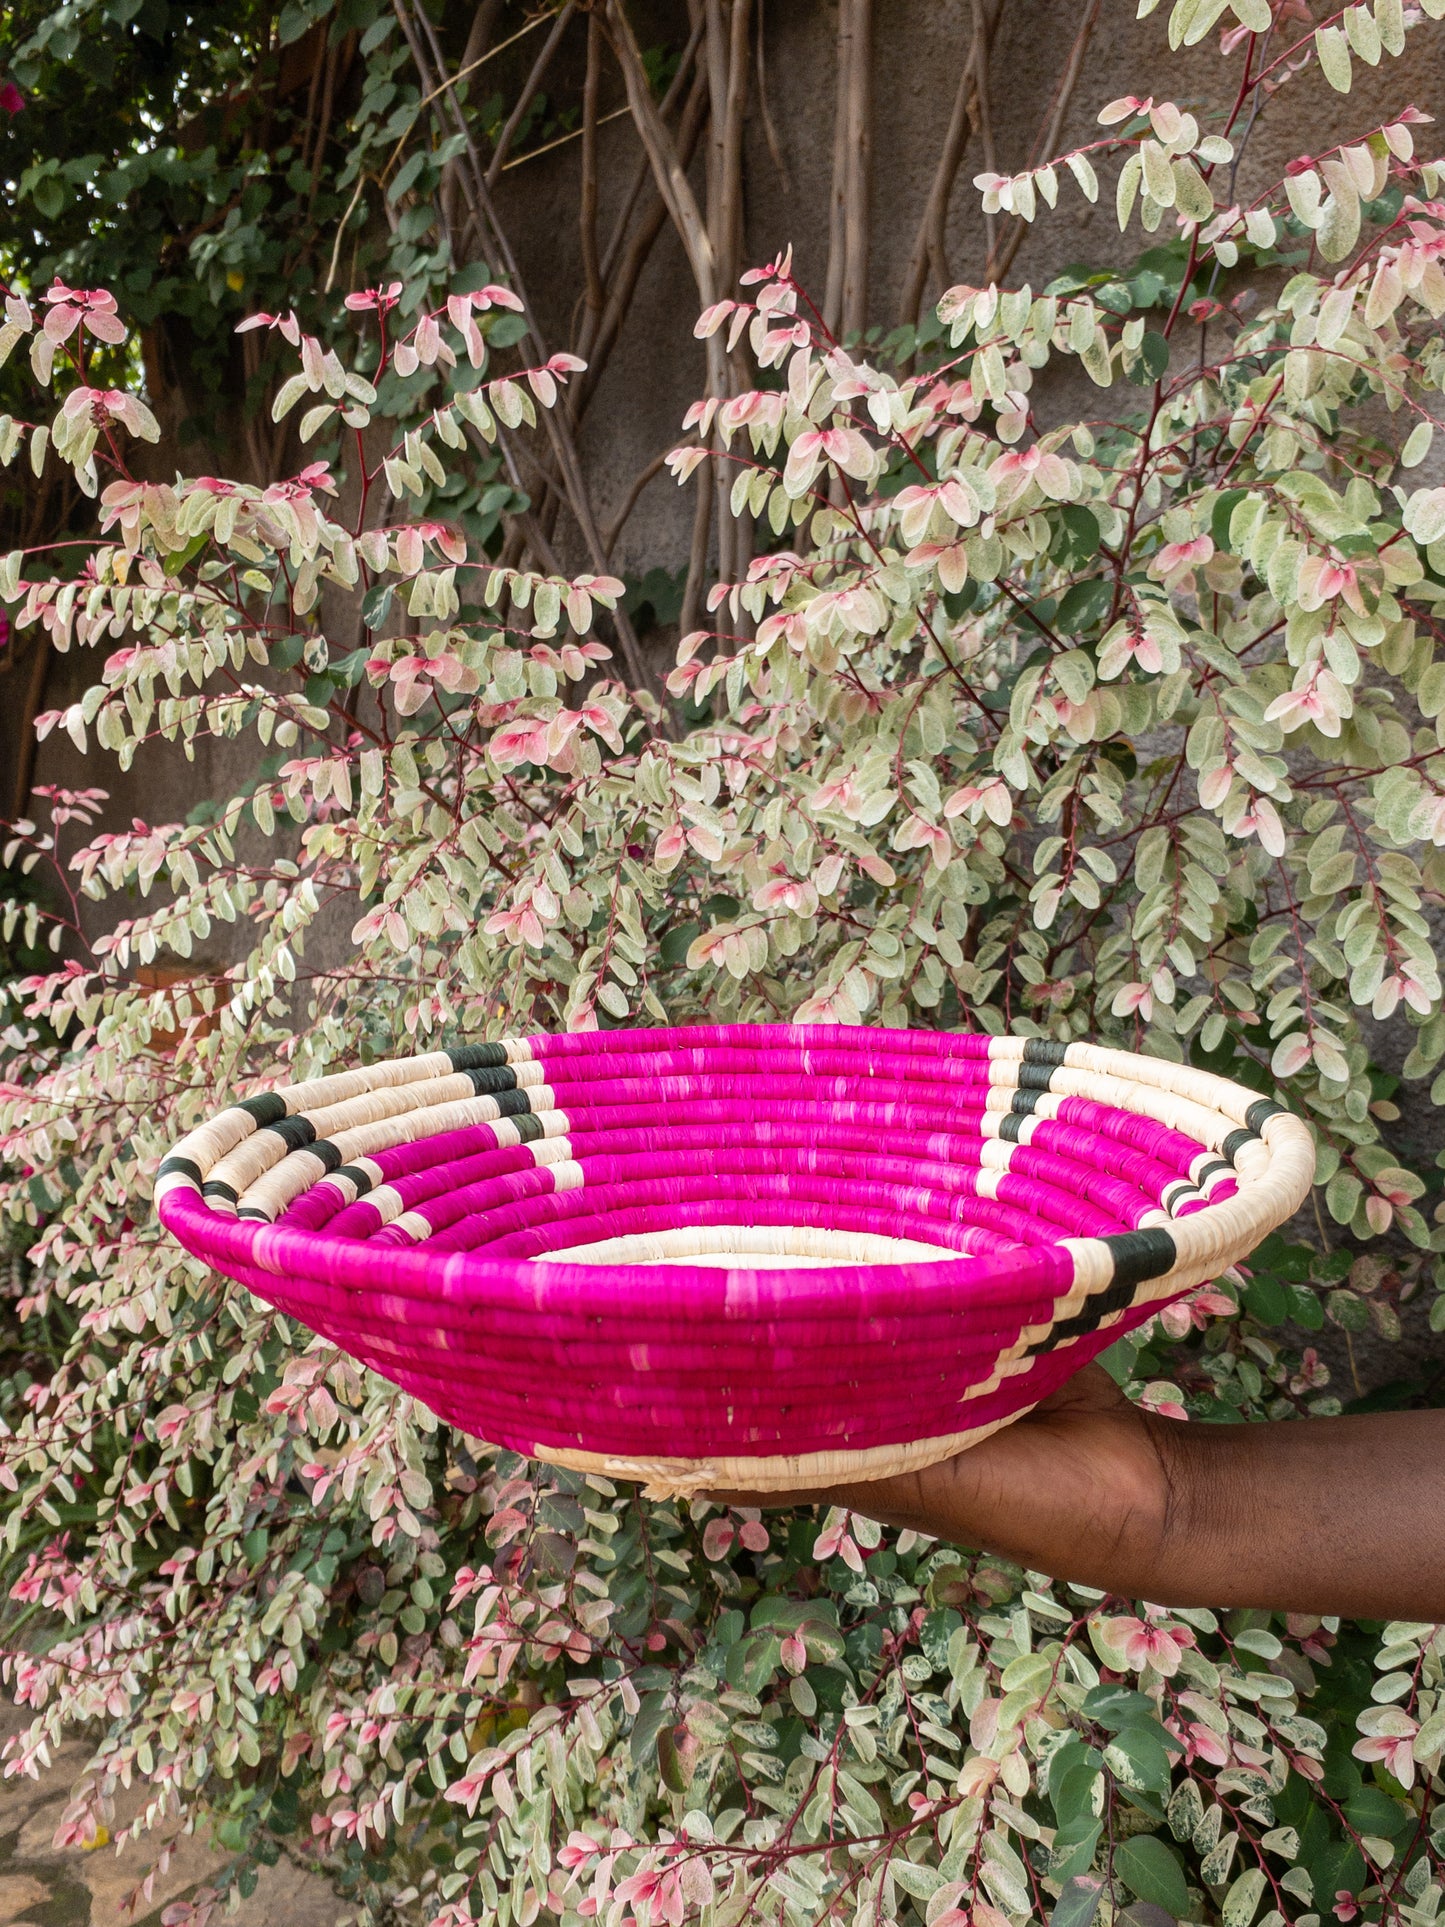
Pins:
<point x="761" y="1246"/>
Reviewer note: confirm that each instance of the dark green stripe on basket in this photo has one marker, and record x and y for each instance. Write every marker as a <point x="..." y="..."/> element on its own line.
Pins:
<point x="1116" y="1297"/>
<point x="268" y="1108"/>
<point x="1235" y="1143"/>
<point x="513" y="1103"/>
<point x="357" y="1176"/>
<point x="180" y="1168"/>
<point x="529" y="1127"/>
<point x="486" y="1082"/>
<point x="329" y="1153"/>
<point x="1258" y="1115"/>
<point x="218" y="1188"/>
<point x="1036" y="1077"/>
<point x="294" y="1132"/>
<point x="1142" y="1254"/>
<point x="1044" y="1050"/>
<point x="478" y="1057"/>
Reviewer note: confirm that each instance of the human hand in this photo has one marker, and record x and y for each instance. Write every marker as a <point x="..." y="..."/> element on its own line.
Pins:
<point x="1067" y="1485"/>
<point x="1327" y="1515"/>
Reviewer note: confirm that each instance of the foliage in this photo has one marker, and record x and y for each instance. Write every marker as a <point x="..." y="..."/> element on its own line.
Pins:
<point x="1128" y="728"/>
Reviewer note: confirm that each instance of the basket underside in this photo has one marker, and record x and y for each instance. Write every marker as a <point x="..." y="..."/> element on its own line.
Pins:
<point x="751" y="1258"/>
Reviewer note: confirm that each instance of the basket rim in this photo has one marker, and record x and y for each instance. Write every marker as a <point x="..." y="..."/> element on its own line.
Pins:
<point x="1204" y="1243"/>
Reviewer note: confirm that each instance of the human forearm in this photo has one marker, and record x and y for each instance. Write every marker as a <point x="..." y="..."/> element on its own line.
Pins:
<point x="1329" y="1515"/>
<point x="1339" y="1515"/>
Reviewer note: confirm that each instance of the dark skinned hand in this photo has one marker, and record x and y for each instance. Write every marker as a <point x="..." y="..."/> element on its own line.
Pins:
<point x="1343" y="1515"/>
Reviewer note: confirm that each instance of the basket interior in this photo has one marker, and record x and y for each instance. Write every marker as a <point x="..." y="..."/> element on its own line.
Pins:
<point x="762" y="1149"/>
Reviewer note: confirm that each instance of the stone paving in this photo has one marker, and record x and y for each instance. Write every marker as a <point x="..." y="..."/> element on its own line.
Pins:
<point x="40" y="1887"/>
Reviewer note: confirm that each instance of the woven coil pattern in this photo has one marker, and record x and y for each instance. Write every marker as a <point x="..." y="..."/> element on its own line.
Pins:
<point x="756" y="1256"/>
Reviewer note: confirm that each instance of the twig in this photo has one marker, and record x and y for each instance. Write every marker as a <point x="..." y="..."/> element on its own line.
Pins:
<point x="860" y="170"/>
<point x="729" y="239"/>
<point x="929" y="248"/>
<point x="529" y="93"/>
<point x="845" y="301"/>
<point x="483" y="13"/>
<point x="587" y="197"/>
<point x="631" y="499"/>
<point x="697" y="554"/>
<point x="547" y="147"/>
<point x="483" y="213"/>
<point x="727" y="73"/>
<point x="323" y="128"/>
<point x="998" y="266"/>
<point x="29" y="710"/>
<point x="595" y="346"/>
<point x="983" y="81"/>
<point x="775" y="146"/>
<point x="668" y="172"/>
<point x="629" y="200"/>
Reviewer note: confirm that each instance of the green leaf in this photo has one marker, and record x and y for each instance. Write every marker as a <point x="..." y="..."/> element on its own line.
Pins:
<point x="1115" y="1706"/>
<point x="1151" y="1870"/>
<point x="1078" y="1902"/>
<point x="1086" y="604"/>
<point x="1417" y="444"/>
<point x="937" y="1630"/>
<point x="286" y="653"/>
<point x="1141" y="1755"/>
<point x="1219" y="517"/>
<point x="1072" y="1791"/>
<point x="675" y="945"/>
<point x="178" y="558"/>
<point x="376" y="604"/>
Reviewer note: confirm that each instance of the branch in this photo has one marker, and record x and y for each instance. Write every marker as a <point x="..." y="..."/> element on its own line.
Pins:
<point x="667" y="169"/>
<point x="969" y="110"/>
<point x="529" y="92"/>
<point x="554" y="420"/>
<point x="587" y="197"/>
<point x="599" y="334"/>
<point x="632" y="498"/>
<point x="998" y="266"/>
<point x="775" y="146"/>
<point x="669" y="100"/>
<point x="845" y="302"/>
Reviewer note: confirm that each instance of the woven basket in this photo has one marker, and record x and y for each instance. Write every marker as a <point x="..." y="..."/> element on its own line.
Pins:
<point x="765" y="1257"/>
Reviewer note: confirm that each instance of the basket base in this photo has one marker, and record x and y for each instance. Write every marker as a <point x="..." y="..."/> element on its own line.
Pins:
<point x="801" y="1472"/>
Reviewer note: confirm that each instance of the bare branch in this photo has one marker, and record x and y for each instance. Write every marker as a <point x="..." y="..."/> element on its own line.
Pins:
<point x="845" y="305"/>
<point x="983" y="82"/>
<point x="929" y="245"/>
<point x="1000" y="260"/>
<point x="417" y="27"/>
<point x="667" y="169"/>
<point x="587" y="197"/>
<point x="631" y="499"/>
<point x="697" y="554"/>
<point x="629" y="200"/>
<point x="529" y="92"/>
<point x="775" y="146"/>
<point x="596" y="347"/>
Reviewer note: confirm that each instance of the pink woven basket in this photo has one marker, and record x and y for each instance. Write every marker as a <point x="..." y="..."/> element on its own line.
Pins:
<point x="768" y="1257"/>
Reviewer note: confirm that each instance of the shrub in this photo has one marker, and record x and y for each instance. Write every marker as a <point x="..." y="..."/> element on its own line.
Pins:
<point x="1127" y="727"/>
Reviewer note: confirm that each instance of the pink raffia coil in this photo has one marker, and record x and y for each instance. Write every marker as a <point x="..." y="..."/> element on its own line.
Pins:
<point x="769" y="1257"/>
